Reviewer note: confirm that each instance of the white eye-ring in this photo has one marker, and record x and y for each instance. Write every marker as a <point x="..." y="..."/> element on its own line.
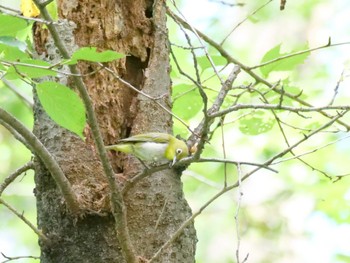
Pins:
<point x="178" y="151"/>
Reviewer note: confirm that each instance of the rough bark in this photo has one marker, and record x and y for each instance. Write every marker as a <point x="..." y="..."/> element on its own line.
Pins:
<point x="156" y="205"/>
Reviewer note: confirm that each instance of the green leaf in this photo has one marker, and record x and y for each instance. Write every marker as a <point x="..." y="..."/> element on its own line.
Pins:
<point x="283" y="64"/>
<point x="63" y="105"/>
<point x="31" y="71"/>
<point x="13" y="42"/>
<point x="52" y="9"/>
<point x="90" y="54"/>
<point x="187" y="101"/>
<point x="11" y="25"/>
<point x="256" y="123"/>
<point x="204" y="63"/>
<point x="11" y="53"/>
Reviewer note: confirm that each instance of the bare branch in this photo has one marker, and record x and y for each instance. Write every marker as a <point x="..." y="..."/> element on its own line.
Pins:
<point x="293" y="146"/>
<point x="283" y="4"/>
<point x="239" y="203"/>
<point x="199" y="39"/>
<point x="286" y="138"/>
<point x="202" y="179"/>
<point x="196" y="83"/>
<point x="16" y="13"/>
<point x="28" y="102"/>
<point x="178" y="232"/>
<point x="195" y="63"/>
<point x="186" y="161"/>
<point x="26" y="221"/>
<point x="278" y="107"/>
<point x="311" y="151"/>
<point x="204" y="126"/>
<point x="155" y="100"/>
<point x="17" y="136"/>
<point x="162" y="211"/>
<point x="245" y="19"/>
<point x="218" y="160"/>
<point x="329" y="44"/>
<point x="50" y="67"/>
<point x="227" y="3"/>
<point x="146" y="172"/>
<point x="223" y="147"/>
<point x="183" y="47"/>
<point x="17" y="257"/>
<point x="336" y="88"/>
<point x="8" y="180"/>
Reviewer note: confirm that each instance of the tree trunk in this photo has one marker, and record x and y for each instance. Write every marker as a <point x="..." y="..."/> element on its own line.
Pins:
<point x="155" y="206"/>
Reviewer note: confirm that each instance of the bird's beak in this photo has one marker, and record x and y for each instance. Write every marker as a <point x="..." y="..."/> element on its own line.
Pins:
<point x="174" y="161"/>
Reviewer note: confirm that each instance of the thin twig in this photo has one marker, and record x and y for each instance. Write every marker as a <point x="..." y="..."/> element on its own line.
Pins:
<point x="336" y="88"/>
<point x="186" y="161"/>
<point x="199" y="39"/>
<point x="293" y="146"/>
<point x="178" y="232"/>
<point x="163" y="210"/>
<point x="245" y="19"/>
<point x="183" y="47"/>
<point x="224" y="150"/>
<point x="194" y="57"/>
<point x="202" y="179"/>
<point x="278" y="107"/>
<point x="311" y="151"/>
<point x="284" y="135"/>
<point x="26" y="221"/>
<point x="204" y="125"/>
<point x="227" y="3"/>
<point x="155" y="100"/>
<point x="329" y="44"/>
<point x="288" y="144"/>
<point x="218" y="160"/>
<point x="239" y="203"/>
<point x="146" y="172"/>
<point x="16" y="135"/>
<point x="195" y="64"/>
<point x="339" y="177"/>
<point x="17" y="257"/>
<point x="8" y="180"/>
<point x="196" y="83"/>
<point x="283" y="4"/>
<point x="50" y="68"/>
<point x="28" y="102"/>
<point x="15" y="13"/>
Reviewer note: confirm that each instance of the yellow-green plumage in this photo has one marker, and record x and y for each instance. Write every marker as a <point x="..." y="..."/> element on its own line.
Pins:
<point x="156" y="147"/>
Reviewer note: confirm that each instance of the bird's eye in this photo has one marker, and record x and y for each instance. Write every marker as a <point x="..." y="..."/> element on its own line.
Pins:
<point x="178" y="151"/>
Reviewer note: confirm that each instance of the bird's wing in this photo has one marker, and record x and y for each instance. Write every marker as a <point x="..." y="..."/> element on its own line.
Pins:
<point x="153" y="136"/>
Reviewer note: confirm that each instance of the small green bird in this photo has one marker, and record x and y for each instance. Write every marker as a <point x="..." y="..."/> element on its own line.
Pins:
<point x="155" y="147"/>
